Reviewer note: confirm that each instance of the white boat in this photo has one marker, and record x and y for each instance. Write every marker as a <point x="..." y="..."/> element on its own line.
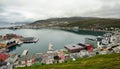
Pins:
<point x="24" y="52"/>
<point x="19" y="43"/>
<point x="35" y="39"/>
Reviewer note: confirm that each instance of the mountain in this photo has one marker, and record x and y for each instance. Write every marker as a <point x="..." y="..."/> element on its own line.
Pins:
<point x="80" y="22"/>
<point x="61" y="20"/>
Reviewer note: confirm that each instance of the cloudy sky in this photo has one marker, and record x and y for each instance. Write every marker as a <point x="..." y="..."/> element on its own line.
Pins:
<point x="31" y="10"/>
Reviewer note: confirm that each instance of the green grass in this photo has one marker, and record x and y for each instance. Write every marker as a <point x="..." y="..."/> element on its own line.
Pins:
<point x="111" y="61"/>
<point x="96" y="23"/>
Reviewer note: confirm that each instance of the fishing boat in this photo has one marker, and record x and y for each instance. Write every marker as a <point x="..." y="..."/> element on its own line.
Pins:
<point x="7" y="43"/>
<point x="25" y="52"/>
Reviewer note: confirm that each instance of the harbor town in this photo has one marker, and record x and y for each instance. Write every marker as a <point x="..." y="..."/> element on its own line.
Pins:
<point x="59" y="34"/>
<point x="106" y="44"/>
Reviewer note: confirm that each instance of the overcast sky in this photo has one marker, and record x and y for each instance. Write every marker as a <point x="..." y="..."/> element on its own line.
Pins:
<point x="31" y="10"/>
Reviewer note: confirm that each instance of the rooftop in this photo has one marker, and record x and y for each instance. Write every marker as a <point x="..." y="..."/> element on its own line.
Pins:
<point x="28" y="57"/>
<point x="73" y="46"/>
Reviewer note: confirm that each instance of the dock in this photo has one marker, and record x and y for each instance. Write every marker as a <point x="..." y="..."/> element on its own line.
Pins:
<point x="29" y="40"/>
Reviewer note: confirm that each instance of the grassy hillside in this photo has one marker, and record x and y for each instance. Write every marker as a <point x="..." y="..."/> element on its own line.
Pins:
<point x="81" y="22"/>
<point x="95" y="23"/>
<point x="111" y="61"/>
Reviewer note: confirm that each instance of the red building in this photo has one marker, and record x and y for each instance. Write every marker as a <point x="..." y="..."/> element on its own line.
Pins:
<point x="89" y="47"/>
<point x="78" y="47"/>
<point x="3" y="57"/>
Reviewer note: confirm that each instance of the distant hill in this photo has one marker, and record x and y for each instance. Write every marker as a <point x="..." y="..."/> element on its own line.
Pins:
<point x="81" y="22"/>
<point x="68" y="19"/>
<point x="95" y="23"/>
<point x="109" y="61"/>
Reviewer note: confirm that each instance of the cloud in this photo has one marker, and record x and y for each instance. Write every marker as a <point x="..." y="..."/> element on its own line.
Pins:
<point x="109" y="9"/>
<point x="31" y="10"/>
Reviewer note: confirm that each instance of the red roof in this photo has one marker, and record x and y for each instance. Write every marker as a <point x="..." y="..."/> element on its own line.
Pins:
<point x="3" y="57"/>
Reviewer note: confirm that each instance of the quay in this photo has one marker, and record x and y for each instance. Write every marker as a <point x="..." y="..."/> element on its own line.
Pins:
<point x="29" y="40"/>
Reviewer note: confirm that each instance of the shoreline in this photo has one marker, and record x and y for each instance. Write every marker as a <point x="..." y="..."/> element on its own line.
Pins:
<point x="59" y="28"/>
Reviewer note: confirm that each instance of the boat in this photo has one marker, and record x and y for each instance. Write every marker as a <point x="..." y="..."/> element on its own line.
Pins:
<point x="7" y="43"/>
<point x="36" y="40"/>
<point x="25" y="52"/>
<point x="19" y="43"/>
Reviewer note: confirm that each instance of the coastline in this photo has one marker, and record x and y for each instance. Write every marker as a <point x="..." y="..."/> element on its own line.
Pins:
<point x="60" y="28"/>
